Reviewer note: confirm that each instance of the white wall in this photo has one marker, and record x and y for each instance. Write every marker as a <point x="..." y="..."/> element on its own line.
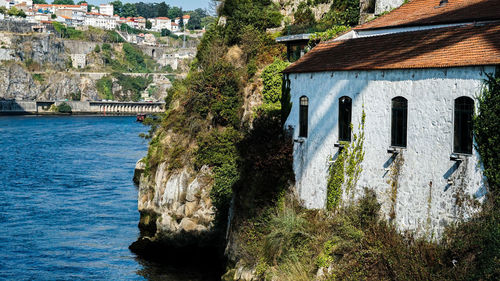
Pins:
<point x="425" y="201"/>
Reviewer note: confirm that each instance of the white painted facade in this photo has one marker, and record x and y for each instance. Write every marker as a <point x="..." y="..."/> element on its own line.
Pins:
<point x="106" y="9"/>
<point x="429" y="180"/>
<point x="100" y="21"/>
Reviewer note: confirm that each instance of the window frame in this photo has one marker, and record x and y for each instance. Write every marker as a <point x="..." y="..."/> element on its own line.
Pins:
<point x="395" y="133"/>
<point x="457" y="129"/>
<point x="303" y="116"/>
<point x="345" y="130"/>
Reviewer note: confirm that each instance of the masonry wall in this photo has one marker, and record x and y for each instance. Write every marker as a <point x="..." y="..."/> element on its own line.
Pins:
<point x="431" y="190"/>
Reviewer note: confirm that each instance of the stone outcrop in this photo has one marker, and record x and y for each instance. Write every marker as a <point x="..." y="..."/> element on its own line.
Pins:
<point x="175" y="207"/>
<point x="17" y="83"/>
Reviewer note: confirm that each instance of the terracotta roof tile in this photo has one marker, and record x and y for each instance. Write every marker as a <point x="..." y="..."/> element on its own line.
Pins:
<point x="441" y="47"/>
<point x="428" y="12"/>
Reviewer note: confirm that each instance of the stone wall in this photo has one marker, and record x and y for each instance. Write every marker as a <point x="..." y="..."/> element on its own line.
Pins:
<point x="16" y="26"/>
<point x="429" y="185"/>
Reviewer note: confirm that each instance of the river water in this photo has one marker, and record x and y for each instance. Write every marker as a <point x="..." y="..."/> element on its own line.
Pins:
<point x="68" y="207"/>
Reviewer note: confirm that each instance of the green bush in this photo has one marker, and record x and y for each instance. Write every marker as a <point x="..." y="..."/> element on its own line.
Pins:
<point x="97" y="49"/>
<point x="64" y="108"/>
<point x="106" y="46"/>
<point x="273" y="84"/>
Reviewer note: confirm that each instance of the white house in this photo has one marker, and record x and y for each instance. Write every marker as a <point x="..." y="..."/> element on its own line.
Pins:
<point x="100" y="21"/>
<point x="106" y="9"/>
<point x="160" y="23"/>
<point x="415" y="73"/>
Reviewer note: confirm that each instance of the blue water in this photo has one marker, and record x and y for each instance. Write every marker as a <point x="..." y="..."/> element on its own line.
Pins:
<point x="68" y="207"/>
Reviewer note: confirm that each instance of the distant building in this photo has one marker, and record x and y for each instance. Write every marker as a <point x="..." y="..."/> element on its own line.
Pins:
<point x="50" y="8"/>
<point x="159" y="23"/>
<point x="100" y="21"/>
<point x="175" y="27"/>
<point x="106" y="9"/>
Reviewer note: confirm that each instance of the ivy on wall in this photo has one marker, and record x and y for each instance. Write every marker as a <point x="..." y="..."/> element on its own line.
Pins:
<point x="346" y="169"/>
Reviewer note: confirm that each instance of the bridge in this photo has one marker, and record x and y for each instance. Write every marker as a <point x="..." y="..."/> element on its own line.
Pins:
<point x="8" y="107"/>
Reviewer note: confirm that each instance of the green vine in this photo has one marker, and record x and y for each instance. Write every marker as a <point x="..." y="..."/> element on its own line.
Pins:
<point x="394" y="182"/>
<point x="346" y="169"/>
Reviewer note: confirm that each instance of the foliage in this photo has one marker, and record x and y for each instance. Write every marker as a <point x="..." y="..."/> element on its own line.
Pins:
<point x="195" y="22"/>
<point x="39" y="2"/>
<point x="346" y="169"/>
<point x="64" y="108"/>
<point x="272" y="79"/>
<point x="15" y="12"/>
<point x="486" y="132"/>
<point x="134" y="84"/>
<point x="38" y="77"/>
<point x="304" y="15"/>
<point x="97" y="49"/>
<point x="68" y="32"/>
<point x="261" y="14"/>
<point x="329" y="33"/>
<point x="216" y="91"/>
<point x="63" y="2"/>
<point x="105" y="88"/>
<point x="341" y="13"/>
<point x="217" y="148"/>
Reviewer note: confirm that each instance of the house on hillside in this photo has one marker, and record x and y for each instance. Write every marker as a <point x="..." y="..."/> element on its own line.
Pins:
<point x="415" y="73"/>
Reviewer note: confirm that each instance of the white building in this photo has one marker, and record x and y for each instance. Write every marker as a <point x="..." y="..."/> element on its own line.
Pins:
<point x="50" y="8"/>
<point x="106" y="9"/>
<point x="100" y="21"/>
<point x="415" y="73"/>
<point x="159" y="23"/>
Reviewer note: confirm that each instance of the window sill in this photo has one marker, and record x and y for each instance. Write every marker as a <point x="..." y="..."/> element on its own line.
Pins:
<point x="459" y="157"/>
<point x="300" y="140"/>
<point x="395" y="149"/>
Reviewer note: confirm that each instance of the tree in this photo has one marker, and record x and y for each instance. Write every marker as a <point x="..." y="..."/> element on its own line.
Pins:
<point x="53" y="16"/>
<point x="148" y="24"/>
<point x="129" y="10"/>
<point x="196" y="19"/>
<point x="39" y="2"/>
<point x="82" y="2"/>
<point x="15" y="12"/>
<point x="174" y="12"/>
<point x="63" y="2"/>
<point x="3" y="10"/>
<point x="117" y="6"/>
<point x="162" y="9"/>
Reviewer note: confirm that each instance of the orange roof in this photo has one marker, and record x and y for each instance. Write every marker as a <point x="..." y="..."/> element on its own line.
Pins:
<point x="428" y="12"/>
<point x="61" y="6"/>
<point x="470" y="45"/>
<point x="174" y="24"/>
<point x="66" y="17"/>
<point x="186" y="16"/>
<point x="162" y="18"/>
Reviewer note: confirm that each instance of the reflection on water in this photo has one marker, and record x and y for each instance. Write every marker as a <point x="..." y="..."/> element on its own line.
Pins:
<point x="68" y="208"/>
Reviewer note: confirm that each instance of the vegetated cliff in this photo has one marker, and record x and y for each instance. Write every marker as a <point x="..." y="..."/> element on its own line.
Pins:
<point x="219" y="173"/>
<point x="39" y="67"/>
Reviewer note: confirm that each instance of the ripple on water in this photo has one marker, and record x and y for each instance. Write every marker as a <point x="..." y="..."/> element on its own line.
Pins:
<point x="68" y="208"/>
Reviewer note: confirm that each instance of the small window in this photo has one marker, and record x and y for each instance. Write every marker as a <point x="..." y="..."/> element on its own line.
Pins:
<point x="345" y="107"/>
<point x="303" y="116"/>
<point x="462" y="141"/>
<point x="399" y="121"/>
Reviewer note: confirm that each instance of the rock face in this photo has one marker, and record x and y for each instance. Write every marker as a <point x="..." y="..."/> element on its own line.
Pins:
<point x="175" y="206"/>
<point x="17" y="83"/>
<point x="42" y="49"/>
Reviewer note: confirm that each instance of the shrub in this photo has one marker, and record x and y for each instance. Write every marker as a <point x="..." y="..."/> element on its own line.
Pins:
<point x="273" y="84"/>
<point x="64" y="108"/>
<point x="106" y="46"/>
<point x="97" y="49"/>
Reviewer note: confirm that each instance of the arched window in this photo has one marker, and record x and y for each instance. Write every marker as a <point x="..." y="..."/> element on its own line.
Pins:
<point x="303" y="116"/>
<point x="345" y="107"/>
<point x="399" y="121"/>
<point x="462" y="141"/>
